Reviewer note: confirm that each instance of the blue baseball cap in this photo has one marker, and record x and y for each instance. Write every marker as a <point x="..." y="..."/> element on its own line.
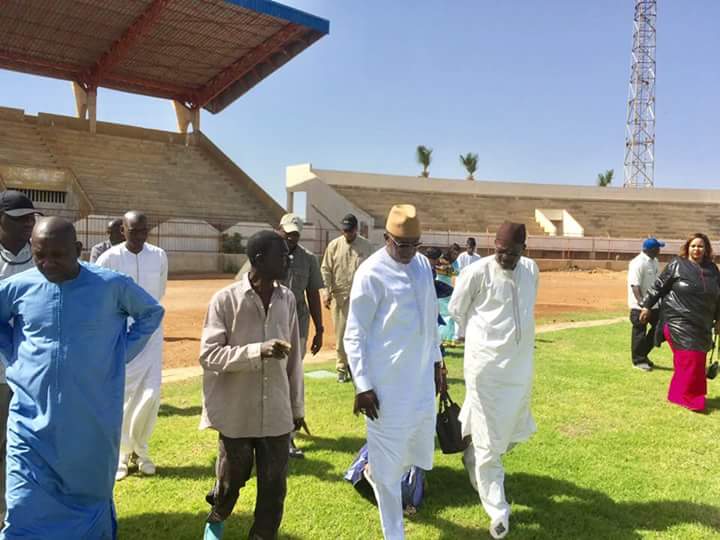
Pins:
<point x="652" y="243"/>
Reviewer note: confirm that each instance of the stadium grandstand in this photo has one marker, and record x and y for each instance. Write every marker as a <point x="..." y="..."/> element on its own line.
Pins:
<point x="200" y="54"/>
<point x="563" y="221"/>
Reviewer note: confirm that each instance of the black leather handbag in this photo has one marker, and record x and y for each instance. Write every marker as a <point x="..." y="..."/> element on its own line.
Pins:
<point x="713" y="367"/>
<point x="448" y="427"/>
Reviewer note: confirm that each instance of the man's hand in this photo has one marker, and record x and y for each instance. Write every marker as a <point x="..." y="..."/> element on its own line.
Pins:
<point x="644" y="316"/>
<point x="317" y="343"/>
<point x="298" y="423"/>
<point x="274" y="348"/>
<point x="367" y="404"/>
<point x="440" y="378"/>
<point x="327" y="301"/>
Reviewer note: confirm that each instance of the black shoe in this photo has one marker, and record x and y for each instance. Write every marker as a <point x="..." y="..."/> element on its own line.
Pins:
<point x="295" y="452"/>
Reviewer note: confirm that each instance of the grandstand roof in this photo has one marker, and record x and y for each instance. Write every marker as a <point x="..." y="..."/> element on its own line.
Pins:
<point x="297" y="176"/>
<point x="205" y="53"/>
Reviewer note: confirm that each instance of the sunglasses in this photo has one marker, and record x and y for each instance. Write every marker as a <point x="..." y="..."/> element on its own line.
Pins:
<point x="404" y="245"/>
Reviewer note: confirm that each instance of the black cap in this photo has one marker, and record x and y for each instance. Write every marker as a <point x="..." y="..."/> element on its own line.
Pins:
<point x="16" y="204"/>
<point x="349" y="223"/>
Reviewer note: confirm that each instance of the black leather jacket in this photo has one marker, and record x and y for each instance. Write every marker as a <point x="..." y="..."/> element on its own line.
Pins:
<point x="690" y="295"/>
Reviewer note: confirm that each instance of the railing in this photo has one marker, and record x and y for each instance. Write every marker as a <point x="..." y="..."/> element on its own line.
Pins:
<point x="170" y="233"/>
<point x="193" y="235"/>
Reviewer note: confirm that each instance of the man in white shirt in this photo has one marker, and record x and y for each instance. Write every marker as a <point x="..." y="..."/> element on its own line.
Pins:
<point x="393" y="350"/>
<point x="643" y="270"/>
<point x="17" y="219"/>
<point x="467" y="257"/>
<point x="147" y="265"/>
<point x="494" y="300"/>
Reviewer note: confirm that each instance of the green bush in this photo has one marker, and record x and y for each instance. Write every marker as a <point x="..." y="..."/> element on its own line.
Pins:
<point x="232" y="243"/>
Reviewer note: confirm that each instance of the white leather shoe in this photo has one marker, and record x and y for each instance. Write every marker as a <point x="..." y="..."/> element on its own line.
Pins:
<point x="146" y="467"/>
<point x="122" y="471"/>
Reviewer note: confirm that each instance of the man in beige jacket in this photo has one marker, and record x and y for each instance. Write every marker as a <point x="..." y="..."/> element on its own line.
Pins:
<point x="252" y="386"/>
<point x="342" y="258"/>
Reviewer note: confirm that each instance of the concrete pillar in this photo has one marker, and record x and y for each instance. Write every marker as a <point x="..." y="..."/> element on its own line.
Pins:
<point x="80" y="100"/>
<point x="185" y="117"/>
<point x="86" y="104"/>
<point x="290" y="201"/>
<point x="92" y="109"/>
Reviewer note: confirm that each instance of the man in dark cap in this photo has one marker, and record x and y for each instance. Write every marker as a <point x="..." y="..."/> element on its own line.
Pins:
<point x="115" y="236"/>
<point x="494" y="301"/>
<point x="17" y="219"/>
<point x="342" y="258"/>
<point x="252" y="385"/>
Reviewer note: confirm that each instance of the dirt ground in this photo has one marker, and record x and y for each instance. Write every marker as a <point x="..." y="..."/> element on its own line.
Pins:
<point x="560" y="292"/>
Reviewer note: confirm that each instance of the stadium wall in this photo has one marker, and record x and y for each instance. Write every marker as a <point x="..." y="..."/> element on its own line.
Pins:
<point x="606" y="212"/>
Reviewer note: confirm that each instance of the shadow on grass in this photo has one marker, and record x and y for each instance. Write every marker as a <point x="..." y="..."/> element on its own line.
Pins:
<point x="183" y="526"/>
<point x="189" y="472"/>
<point x="311" y="465"/>
<point x="661" y="368"/>
<point x="171" y="410"/>
<point x="350" y="445"/>
<point x="712" y="405"/>
<point x="545" y="507"/>
<point x="559" y="507"/>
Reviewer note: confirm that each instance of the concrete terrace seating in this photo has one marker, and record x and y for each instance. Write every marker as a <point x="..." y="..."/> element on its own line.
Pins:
<point x="446" y="211"/>
<point x="22" y="144"/>
<point x="628" y="219"/>
<point x="161" y="178"/>
<point x="604" y="218"/>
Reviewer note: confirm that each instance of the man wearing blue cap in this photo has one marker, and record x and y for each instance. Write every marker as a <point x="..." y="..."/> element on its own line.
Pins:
<point x="642" y="272"/>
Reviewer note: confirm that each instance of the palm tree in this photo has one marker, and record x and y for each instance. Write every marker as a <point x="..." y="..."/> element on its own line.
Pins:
<point x="424" y="157"/>
<point x="470" y="162"/>
<point x="605" y="179"/>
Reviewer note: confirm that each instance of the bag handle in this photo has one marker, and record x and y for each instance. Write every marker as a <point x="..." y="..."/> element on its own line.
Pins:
<point x="446" y="400"/>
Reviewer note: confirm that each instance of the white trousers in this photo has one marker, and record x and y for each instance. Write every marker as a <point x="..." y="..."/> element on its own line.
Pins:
<point x="389" y="499"/>
<point x="487" y="477"/>
<point x="139" y="416"/>
<point x="143" y="379"/>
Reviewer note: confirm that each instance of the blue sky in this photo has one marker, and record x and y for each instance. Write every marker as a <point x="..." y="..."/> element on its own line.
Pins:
<point x="537" y="89"/>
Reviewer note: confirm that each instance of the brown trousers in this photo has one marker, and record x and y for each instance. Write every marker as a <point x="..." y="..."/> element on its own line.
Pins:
<point x="233" y="469"/>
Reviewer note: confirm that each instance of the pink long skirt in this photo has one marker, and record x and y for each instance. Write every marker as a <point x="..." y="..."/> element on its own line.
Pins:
<point x="688" y="385"/>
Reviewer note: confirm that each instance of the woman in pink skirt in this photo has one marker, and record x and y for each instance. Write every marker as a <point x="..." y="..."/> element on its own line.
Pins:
<point x="689" y="288"/>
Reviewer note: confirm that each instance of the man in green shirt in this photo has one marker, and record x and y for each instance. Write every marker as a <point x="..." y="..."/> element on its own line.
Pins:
<point x="305" y="281"/>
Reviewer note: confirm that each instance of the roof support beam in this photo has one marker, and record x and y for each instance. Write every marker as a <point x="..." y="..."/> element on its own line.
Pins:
<point x="94" y="75"/>
<point x="146" y="87"/>
<point x="36" y="65"/>
<point x="240" y="68"/>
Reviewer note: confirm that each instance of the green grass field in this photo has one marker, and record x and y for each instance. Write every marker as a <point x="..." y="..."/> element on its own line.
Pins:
<point x="611" y="460"/>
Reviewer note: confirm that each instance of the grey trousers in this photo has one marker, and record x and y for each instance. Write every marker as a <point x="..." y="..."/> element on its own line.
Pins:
<point x="5" y="396"/>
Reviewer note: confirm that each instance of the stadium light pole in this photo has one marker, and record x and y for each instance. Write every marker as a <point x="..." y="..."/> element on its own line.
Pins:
<point x="639" y="164"/>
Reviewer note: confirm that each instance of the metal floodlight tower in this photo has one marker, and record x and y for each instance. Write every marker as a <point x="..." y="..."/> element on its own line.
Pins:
<point x="640" y="128"/>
